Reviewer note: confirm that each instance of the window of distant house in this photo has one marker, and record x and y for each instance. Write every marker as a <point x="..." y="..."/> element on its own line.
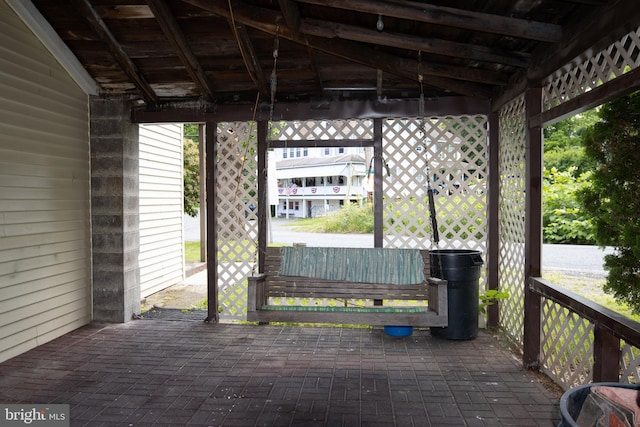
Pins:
<point x="294" y="206"/>
<point x="305" y="152"/>
<point x="284" y="154"/>
<point x="291" y="152"/>
<point x="298" y="152"/>
<point x="327" y="151"/>
<point x="341" y="150"/>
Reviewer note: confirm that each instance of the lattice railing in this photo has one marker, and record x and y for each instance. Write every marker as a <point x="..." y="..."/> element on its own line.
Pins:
<point x="566" y="346"/>
<point x="511" y="215"/>
<point x="236" y="192"/>
<point x="630" y="364"/>
<point x="617" y="59"/>
<point x="569" y="342"/>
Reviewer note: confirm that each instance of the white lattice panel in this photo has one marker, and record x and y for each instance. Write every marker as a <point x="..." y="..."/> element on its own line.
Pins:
<point x="630" y="364"/>
<point x="617" y="59"/>
<point x="511" y="215"/>
<point x="566" y="351"/>
<point x="452" y="153"/>
<point x="236" y="192"/>
<point x="321" y="130"/>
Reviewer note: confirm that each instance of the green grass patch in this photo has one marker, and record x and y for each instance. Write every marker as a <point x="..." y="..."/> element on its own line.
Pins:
<point x="350" y="219"/>
<point x="192" y="251"/>
<point x="591" y="289"/>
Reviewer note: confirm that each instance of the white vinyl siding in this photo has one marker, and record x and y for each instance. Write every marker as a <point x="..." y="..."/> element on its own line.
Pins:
<point x="45" y="233"/>
<point x="161" y="208"/>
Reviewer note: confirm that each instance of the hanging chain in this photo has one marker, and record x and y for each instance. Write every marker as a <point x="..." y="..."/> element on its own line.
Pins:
<point x="423" y="126"/>
<point x="274" y="76"/>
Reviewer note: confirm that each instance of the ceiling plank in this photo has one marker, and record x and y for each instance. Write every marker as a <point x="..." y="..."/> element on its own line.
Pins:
<point x="116" y="50"/>
<point x="250" y="58"/>
<point x="291" y="15"/>
<point x="265" y="20"/>
<point x="397" y="66"/>
<point x="457" y="18"/>
<point x="435" y="46"/>
<point x="176" y="37"/>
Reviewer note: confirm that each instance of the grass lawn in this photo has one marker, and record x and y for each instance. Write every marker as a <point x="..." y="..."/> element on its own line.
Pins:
<point x="192" y="251"/>
<point x="591" y="288"/>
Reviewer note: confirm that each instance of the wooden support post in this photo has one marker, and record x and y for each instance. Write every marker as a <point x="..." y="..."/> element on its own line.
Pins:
<point x="606" y="355"/>
<point x="264" y="209"/>
<point x="378" y="226"/>
<point x="493" y="198"/>
<point x="203" y="193"/>
<point x="212" y="228"/>
<point x="533" y="231"/>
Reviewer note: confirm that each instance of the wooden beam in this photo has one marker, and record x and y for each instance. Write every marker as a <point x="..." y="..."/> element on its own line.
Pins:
<point x="211" y="144"/>
<point x="588" y="36"/>
<point x="613" y="89"/>
<point x="533" y="232"/>
<point x="176" y="37"/>
<point x="291" y="15"/>
<point x="130" y="69"/>
<point x="250" y="58"/>
<point x="436" y="46"/>
<point x="189" y="112"/>
<point x="457" y="18"/>
<point x="398" y="66"/>
<point x="265" y="20"/>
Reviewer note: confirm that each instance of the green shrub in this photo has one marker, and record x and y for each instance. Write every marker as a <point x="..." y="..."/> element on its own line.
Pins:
<point x="563" y="218"/>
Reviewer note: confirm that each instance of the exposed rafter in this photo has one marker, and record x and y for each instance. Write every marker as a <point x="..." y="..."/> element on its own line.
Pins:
<point x="177" y="39"/>
<point x="456" y="18"/>
<point x="265" y="20"/>
<point x="250" y="58"/>
<point x="116" y="50"/>
<point x="397" y="66"/>
<point x="219" y="52"/>
<point x="441" y="47"/>
<point x="292" y="18"/>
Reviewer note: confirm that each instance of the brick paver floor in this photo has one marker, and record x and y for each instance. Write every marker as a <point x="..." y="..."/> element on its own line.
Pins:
<point x="162" y="373"/>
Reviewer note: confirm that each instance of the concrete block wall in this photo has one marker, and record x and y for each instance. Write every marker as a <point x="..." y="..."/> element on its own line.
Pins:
<point x="114" y="211"/>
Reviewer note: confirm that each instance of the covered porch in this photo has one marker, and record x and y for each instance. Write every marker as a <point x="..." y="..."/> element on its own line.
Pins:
<point x="164" y="372"/>
<point x="485" y="77"/>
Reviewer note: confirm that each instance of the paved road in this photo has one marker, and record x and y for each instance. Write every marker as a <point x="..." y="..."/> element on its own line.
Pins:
<point x="575" y="260"/>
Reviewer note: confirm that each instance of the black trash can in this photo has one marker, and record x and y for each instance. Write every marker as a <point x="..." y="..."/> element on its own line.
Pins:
<point x="462" y="269"/>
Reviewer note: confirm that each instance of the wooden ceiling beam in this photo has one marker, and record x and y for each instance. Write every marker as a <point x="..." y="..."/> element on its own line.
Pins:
<point x="291" y="15"/>
<point x="451" y="17"/>
<point x="440" y="47"/>
<point x="130" y="69"/>
<point x="250" y="58"/>
<point x="176" y="37"/>
<point x="398" y="66"/>
<point x="266" y="20"/>
<point x="582" y="40"/>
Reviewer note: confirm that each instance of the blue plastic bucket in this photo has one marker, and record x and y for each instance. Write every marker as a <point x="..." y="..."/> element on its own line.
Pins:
<point x="398" y="331"/>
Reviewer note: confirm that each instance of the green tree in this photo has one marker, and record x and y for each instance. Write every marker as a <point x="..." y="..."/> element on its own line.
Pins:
<point x="613" y="194"/>
<point x="563" y="218"/>
<point x="563" y="149"/>
<point x="191" y="173"/>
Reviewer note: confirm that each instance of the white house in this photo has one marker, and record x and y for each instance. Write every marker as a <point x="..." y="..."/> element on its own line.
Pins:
<point x="317" y="180"/>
